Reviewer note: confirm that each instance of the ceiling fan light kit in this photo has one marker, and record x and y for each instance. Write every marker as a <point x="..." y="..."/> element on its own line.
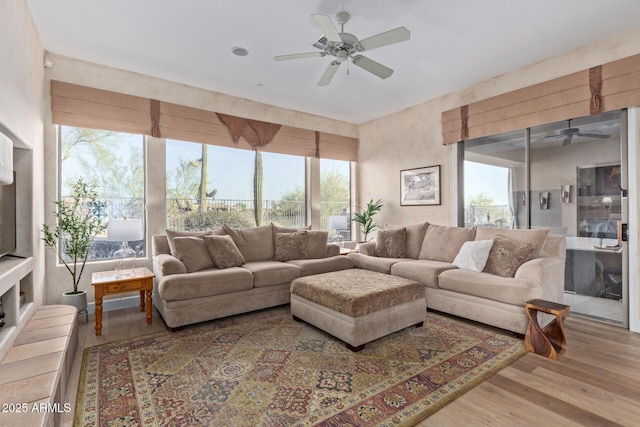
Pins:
<point x="343" y="46"/>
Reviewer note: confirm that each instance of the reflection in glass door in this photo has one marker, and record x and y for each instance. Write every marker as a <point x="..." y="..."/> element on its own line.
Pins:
<point x="567" y="177"/>
<point x="576" y="167"/>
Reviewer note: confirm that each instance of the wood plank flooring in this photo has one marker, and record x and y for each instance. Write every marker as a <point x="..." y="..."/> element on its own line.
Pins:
<point x="595" y="383"/>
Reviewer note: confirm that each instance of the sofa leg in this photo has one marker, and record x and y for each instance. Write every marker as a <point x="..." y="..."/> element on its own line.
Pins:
<point x="297" y="319"/>
<point x="419" y="325"/>
<point x="176" y="329"/>
<point x="354" y="349"/>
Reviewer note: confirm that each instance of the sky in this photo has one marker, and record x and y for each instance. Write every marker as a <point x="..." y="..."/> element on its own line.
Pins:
<point x="487" y="179"/>
<point x="231" y="170"/>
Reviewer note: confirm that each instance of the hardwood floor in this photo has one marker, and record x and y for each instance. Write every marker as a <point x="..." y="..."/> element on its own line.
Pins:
<point x="595" y="383"/>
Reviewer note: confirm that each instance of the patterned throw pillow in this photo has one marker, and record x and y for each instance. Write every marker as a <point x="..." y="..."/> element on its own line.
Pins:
<point x="290" y="246"/>
<point x="391" y="243"/>
<point x="507" y="255"/>
<point x="223" y="251"/>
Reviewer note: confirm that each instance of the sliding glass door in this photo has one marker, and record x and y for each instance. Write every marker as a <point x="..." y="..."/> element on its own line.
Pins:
<point x="567" y="177"/>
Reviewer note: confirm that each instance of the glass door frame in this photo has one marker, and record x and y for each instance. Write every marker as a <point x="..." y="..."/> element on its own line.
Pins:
<point x="625" y="123"/>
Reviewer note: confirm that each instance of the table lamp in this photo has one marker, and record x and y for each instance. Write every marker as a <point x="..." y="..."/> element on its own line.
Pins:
<point x="124" y="230"/>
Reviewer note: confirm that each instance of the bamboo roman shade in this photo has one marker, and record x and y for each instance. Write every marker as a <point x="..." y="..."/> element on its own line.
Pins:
<point x="606" y="87"/>
<point x="81" y="106"/>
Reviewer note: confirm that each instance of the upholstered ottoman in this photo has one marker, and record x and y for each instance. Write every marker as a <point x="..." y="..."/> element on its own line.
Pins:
<point x="358" y="306"/>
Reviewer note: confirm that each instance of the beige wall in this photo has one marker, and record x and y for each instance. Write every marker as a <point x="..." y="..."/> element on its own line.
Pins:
<point x="412" y="138"/>
<point x="21" y="116"/>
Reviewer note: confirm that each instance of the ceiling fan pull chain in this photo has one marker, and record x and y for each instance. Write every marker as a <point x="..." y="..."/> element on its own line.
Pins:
<point x="347" y="68"/>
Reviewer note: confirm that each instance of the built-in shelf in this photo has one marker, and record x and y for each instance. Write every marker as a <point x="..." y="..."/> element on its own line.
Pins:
<point x="15" y="275"/>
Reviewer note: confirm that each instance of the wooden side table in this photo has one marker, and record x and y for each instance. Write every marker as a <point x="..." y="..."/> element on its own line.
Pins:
<point x="549" y="341"/>
<point x="116" y="282"/>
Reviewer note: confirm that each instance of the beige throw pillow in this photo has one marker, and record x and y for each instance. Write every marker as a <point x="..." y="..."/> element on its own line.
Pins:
<point x="223" y="251"/>
<point x="193" y="253"/>
<point x="254" y="243"/>
<point x="316" y="240"/>
<point x="391" y="243"/>
<point x="172" y="234"/>
<point x="291" y="246"/>
<point x="507" y="255"/>
<point x="442" y="243"/>
<point x="317" y="244"/>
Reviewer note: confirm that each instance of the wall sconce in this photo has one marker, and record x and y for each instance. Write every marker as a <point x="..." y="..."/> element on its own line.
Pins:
<point x="544" y="200"/>
<point x="565" y="193"/>
<point x="606" y="202"/>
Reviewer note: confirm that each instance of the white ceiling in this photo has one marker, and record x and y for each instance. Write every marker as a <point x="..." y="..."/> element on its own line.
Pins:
<point x="454" y="44"/>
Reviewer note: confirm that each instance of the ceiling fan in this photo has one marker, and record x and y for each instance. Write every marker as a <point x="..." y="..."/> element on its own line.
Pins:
<point x="569" y="133"/>
<point x="343" y="46"/>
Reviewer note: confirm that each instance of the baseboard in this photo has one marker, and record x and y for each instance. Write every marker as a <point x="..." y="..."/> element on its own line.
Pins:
<point x="115" y="304"/>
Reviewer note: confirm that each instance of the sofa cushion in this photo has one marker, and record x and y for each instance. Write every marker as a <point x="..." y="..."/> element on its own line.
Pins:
<point x="269" y="273"/>
<point x="204" y="283"/>
<point x="414" y="238"/>
<point x="322" y="265"/>
<point x="255" y="243"/>
<point x="535" y="236"/>
<point x="193" y="253"/>
<point x="442" y="243"/>
<point x="490" y="286"/>
<point x="507" y="255"/>
<point x="223" y="251"/>
<point x="473" y="255"/>
<point x="391" y="243"/>
<point x="290" y="246"/>
<point x="172" y="234"/>
<point x="423" y="271"/>
<point x="374" y="263"/>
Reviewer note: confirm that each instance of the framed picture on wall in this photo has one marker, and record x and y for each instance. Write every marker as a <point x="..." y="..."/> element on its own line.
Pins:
<point x="420" y="186"/>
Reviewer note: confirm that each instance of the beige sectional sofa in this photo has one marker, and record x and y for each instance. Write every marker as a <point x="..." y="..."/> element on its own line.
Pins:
<point x="205" y="276"/>
<point x="520" y="265"/>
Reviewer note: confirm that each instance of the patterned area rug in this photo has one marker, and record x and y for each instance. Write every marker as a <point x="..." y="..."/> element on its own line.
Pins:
<point x="265" y="369"/>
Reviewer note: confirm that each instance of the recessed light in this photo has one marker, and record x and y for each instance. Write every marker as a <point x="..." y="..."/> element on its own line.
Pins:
<point x="240" y="51"/>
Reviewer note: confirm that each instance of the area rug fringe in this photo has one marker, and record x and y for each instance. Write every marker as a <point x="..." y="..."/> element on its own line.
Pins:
<point x="263" y="368"/>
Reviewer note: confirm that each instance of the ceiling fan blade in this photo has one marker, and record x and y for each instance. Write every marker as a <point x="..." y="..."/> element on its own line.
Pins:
<point x="372" y="66"/>
<point x="299" y="56"/>
<point x="325" y="25"/>
<point x="398" y="35"/>
<point x="593" y="135"/>
<point x="567" y="140"/>
<point x="329" y="73"/>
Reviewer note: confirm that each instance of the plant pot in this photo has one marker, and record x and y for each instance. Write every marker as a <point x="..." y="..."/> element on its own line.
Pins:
<point x="78" y="300"/>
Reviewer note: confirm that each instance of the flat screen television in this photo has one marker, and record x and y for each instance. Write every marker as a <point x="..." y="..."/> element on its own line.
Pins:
<point x="8" y="217"/>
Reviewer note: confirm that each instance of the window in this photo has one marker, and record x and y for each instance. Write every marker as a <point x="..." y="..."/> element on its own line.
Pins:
<point x="493" y="185"/>
<point x="208" y="186"/>
<point x="115" y="161"/>
<point x="335" y="199"/>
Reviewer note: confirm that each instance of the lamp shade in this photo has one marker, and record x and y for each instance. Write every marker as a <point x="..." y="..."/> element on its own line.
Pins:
<point x="338" y="222"/>
<point x="607" y="200"/>
<point x="124" y="230"/>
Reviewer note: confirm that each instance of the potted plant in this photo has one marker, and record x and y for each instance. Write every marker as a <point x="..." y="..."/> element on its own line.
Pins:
<point x="71" y="237"/>
<point x="365" y="218"/>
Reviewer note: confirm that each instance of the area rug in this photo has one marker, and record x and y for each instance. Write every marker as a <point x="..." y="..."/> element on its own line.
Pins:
<point x="265" y="369"/>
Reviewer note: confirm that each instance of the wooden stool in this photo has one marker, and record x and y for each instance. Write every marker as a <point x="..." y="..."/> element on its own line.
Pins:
<point x="550" y="340"/>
